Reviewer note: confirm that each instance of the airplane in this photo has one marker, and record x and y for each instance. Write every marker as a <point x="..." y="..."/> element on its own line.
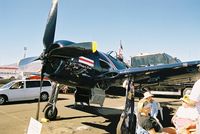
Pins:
<point x="93" y="72"/>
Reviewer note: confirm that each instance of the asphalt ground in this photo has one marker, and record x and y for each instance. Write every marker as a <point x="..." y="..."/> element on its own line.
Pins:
<point x="15" y="116"/>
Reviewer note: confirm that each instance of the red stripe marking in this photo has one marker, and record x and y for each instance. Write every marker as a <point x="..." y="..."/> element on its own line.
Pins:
<point x="91" y="62"/>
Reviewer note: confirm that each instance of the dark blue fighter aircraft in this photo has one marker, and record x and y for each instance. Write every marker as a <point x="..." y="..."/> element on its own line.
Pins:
<point x="92" y="72"/>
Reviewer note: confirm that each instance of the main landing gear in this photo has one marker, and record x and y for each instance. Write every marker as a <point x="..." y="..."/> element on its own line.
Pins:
<point x="127" y="123"/>
<point x="50" y="110"/>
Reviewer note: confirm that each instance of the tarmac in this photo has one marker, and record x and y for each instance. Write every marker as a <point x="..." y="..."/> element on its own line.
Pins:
<point x="15" y="117"/>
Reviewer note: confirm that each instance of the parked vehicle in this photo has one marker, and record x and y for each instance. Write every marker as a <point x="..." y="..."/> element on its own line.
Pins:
<point x="20" y="90"/>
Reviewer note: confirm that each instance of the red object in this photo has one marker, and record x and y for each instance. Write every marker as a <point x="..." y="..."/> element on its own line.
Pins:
<point x="36" y="77"/>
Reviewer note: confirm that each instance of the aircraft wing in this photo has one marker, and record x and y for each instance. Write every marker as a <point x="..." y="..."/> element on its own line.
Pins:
<point x="159" y="73"/>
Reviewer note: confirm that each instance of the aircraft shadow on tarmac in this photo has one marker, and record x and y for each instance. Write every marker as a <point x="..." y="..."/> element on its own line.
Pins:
<point x="112" y="116"/>
<point x="168" y="113"/>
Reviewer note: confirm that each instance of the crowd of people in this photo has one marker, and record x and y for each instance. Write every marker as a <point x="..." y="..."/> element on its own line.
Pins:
<point x="147" y="112"/>
<point x="186" y="119"/>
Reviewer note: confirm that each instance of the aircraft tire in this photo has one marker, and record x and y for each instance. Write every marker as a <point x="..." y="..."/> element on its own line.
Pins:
<point x="49" y="114"/>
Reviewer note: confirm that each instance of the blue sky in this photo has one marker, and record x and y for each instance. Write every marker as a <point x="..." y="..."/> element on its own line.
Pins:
<point x="144" y="26"/>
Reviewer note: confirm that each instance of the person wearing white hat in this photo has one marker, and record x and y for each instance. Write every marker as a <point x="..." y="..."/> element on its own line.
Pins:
<point x="154" y="105"/>
<point x="146" y="123"/>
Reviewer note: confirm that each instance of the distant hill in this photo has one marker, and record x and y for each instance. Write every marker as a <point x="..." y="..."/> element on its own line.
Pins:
<point x="11" y="65"/>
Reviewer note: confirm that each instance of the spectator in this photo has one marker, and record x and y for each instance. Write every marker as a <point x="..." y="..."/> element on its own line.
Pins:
<point x="154" y="105"/>
<point x="185" y="117"/>
<point x="149" y="123"/>
<point x="195" y="100"/>
<point x="195" y="95"/>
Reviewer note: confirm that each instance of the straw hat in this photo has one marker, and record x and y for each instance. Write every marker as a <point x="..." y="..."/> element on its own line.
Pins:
<point x="186" y="99"/>
<point x="147" y="95"/>
<point x="143" y="103"/>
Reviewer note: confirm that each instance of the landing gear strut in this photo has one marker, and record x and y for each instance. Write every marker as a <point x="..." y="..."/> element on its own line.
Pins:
<point x="127" y="123"/>
<point x="50" y="110"/>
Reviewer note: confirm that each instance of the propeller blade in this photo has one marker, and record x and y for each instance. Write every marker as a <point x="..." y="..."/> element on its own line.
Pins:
<point x="51" y="25"/>
<point x="26" y="61"/>
<point x="75" y="49"/>
<point x="41" y="83"/>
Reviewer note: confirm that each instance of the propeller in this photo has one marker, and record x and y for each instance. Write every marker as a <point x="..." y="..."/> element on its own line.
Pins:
<point x="48" y="40"/>
<point x="26" y="61"/>
<point x="59" y="48"/>
<point x="48" y="37"/>
<point x="49" y="33"/>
